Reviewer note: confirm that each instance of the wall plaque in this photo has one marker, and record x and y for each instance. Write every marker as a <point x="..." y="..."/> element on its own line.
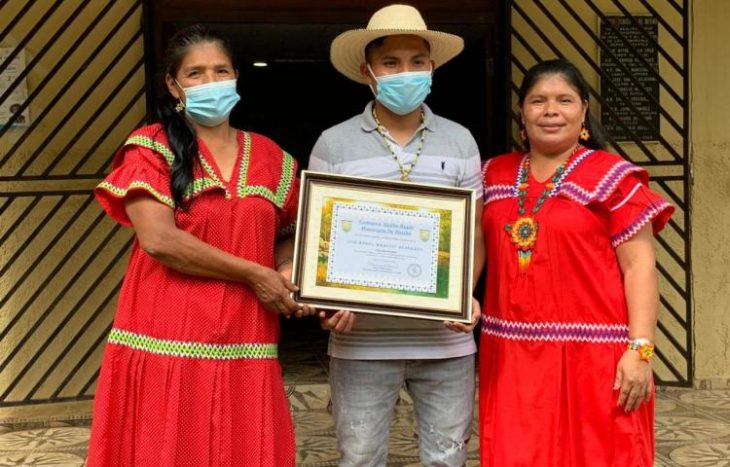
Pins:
<point x="640" y="45"/>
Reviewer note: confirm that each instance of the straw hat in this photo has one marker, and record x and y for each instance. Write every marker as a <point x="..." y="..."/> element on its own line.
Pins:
<point x="348" y="49"/>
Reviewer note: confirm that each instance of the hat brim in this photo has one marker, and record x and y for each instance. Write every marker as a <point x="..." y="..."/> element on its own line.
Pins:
<point x="347" y="51"/>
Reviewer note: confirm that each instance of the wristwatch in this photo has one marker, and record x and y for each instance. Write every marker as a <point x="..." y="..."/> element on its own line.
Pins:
<point x="644" y="347"/>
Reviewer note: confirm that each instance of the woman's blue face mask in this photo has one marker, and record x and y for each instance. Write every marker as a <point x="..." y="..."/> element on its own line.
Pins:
<point x="402" y="93"/>
<point x="210" y="104"/>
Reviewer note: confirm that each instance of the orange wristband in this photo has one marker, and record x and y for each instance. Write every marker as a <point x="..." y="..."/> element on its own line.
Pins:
<point x="644" y="347"/>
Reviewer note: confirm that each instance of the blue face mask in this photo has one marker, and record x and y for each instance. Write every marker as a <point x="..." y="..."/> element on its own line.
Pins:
<point x="210" y="104"/>
<point x="402" y="93"/>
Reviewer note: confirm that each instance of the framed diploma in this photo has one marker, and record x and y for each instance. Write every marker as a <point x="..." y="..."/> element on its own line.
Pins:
<point x="384" y="247"/>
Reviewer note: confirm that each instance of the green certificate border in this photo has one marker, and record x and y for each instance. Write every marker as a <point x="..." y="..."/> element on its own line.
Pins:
<point x="452" y="300"/>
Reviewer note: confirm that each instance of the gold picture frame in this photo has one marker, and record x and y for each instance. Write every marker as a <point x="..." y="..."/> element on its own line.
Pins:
<point x="384" y="247"/>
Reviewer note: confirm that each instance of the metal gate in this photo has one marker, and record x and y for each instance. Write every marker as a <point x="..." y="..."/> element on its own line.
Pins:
<point x="634" y="55"/>
<point x="73" y="87"/>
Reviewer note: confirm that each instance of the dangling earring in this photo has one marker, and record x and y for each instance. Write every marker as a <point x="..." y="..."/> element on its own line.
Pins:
<point x="179" y="107"/>
<point x="585" y="135"/>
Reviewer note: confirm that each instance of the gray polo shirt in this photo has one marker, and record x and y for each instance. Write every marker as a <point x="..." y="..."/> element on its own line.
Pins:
<point x="449" y="157"/>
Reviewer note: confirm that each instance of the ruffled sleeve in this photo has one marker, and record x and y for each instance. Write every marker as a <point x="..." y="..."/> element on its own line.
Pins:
<point x="136" y="171"/>
<point x="632" y="205"/>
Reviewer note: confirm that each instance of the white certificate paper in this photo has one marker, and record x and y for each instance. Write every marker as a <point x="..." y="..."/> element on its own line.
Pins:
<point x="376" y="246"/>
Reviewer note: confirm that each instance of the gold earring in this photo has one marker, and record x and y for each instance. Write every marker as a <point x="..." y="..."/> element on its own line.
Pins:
<point x="179" y="107"/>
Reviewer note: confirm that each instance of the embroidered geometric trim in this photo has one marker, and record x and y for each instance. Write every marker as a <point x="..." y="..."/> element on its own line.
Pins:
<point x="641" y="220"/>
<point x="605" y="186"/>
<point x="212" y="181"/>
<point x="570" y="168"/>
<point x="120" y="192"/>
<point x="559" y="182"/>
<point x="285" y="183"/>
<point x="192" y="349"/>
<point x="197" y="185"/>
<point x="559" y="332"/>
<point x="484" y="176"/>
<point x="243" y="171"/>
<point x="287" y="177"/>
<point x="149" y="143"/>
<point x="497" y="192"/>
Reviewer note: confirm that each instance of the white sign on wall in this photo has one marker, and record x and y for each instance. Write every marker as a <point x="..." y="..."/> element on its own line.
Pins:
<point x="13" y="103"/>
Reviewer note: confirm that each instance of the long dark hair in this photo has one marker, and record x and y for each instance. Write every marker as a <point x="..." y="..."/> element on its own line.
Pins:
<point x="180" y="134"/>
<point x="574" y="78"/>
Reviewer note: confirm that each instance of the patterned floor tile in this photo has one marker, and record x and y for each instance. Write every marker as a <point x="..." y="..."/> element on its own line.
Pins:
<point x="45" y="439"/>
<point x="304" y="397"/>
<point x="664" y="406"/>
<point x="703" y="455"/>
<point x="715" y="400"/>
<point x="692" y="426"/>
<point x="45" y="459"/>
<point x="689" y="429"/>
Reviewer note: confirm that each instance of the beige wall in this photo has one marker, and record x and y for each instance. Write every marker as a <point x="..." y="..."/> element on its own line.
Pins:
<point x="710" y="141"/>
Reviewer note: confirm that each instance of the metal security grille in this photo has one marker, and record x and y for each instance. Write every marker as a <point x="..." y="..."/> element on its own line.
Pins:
<point x="61" y="260"/>
<point x="635" y="56"/>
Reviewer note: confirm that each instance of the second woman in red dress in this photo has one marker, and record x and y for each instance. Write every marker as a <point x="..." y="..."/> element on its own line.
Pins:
<point x="571" y="297"/>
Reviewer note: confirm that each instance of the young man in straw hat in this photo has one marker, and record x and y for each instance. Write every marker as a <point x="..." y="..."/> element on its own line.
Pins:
<point x="398" y="137"/>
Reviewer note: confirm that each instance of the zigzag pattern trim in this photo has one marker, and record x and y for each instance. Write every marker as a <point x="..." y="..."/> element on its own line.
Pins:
<point x="199" y="350"/>
<point x="641" y="220"/>
<point x="555" y="331"/>
<point x="500" y="191"/>
<point x="605" y="186"/>
<point x="484" y="169"/>
<point x="497" y="192"/>
<point x="520" y="171"/>
<point x="569" y="169"/>
<point x="484" y="179"/>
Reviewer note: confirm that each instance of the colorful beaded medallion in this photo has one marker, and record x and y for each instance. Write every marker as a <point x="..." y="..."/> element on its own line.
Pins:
<point x="523" y="231"/>
<point x="523" y="234"/>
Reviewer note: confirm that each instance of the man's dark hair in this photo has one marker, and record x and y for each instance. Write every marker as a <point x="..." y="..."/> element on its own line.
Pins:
<point x="375" y="44"/>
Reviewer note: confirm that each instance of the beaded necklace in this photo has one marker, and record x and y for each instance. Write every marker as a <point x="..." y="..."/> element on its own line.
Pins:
<point x="405" y="172"/>
<point x="523" y="232"/>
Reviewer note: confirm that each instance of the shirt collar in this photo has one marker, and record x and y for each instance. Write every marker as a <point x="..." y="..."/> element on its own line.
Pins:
<point x="368" y="122"/>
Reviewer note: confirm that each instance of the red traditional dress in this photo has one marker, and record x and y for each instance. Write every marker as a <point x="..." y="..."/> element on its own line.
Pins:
<point x="552" y="335"/>
<point x="190" y="374"/>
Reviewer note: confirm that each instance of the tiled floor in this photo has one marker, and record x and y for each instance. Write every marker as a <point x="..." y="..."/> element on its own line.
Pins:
<point x="692" y="426"/>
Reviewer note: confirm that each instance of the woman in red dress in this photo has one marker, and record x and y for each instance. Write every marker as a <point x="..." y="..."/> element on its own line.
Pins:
<point x="571" y="297"/>
<point x="190" y="374"/>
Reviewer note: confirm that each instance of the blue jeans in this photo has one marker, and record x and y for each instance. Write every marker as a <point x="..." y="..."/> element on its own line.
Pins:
<point x="364" y="394"/>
